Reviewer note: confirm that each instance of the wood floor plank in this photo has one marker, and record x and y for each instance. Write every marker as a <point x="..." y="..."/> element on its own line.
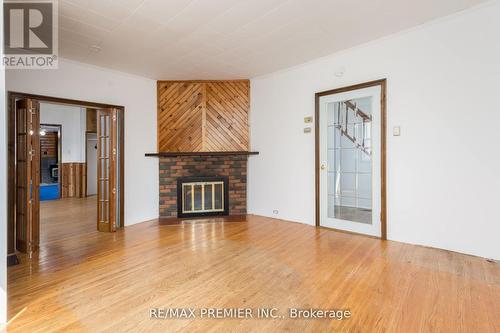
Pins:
<point x="85" y="281"/>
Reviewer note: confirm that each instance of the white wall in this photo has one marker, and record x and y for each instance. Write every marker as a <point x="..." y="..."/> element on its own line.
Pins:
<point x="138" y="96"/>
<point x="3" y="190"/>
<point x="91" y="152"/>
<point x="443" y="171"/>
<point x="73" y="129"/>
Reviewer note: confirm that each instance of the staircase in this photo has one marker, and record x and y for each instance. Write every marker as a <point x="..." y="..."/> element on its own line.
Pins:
<point x="347" y="110"/>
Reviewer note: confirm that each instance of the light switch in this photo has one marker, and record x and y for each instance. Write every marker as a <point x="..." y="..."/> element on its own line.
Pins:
<point x="308" y="120"/>
<point x="396" y="131"/>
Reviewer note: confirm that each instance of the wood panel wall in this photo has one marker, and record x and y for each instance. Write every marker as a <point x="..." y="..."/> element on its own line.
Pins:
<point x="48" y="145"/>
<point x="73" y="180"/>
<point x="197" y="116"/>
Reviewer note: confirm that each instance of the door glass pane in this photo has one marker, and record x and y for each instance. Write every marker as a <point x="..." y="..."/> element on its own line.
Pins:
<point x="105" y="165"/>
<point x="106" y="190"/>
<point x="106" y="219"/>
<point x="103" y="168"/>
<point x="350" y="160"/>
<point x="103" y="211"/>
<point x="117" y="172"/>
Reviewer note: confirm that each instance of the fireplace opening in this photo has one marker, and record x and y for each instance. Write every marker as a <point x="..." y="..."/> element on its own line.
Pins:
<point x="202" y="196"/>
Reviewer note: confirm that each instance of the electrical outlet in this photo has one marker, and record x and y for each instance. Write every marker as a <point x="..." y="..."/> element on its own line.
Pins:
<point x="276" y="212"/>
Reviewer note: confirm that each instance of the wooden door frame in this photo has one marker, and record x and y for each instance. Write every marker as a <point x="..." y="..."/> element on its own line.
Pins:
<point x="59" y="154"/>
<point x="383" y="141"/>
<point x="12" y="96"/>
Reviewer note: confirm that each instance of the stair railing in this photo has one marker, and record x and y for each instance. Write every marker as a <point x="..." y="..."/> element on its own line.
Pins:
<point x="343" y="120"/>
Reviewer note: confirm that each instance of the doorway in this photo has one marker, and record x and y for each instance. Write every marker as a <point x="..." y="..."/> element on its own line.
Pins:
<point x="91" y="162"/>
<point x="35" y="164"/>
<point x="50" y="161"/>
<point x="350" y="159"/>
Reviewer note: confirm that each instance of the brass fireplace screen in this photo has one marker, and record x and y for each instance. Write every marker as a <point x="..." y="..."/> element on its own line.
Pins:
<point x="202" y="196"/>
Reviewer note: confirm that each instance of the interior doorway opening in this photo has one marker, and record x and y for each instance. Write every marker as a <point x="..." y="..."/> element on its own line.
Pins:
<point x="66" y="162"/>
<point x="91" y="162"/>
<point x="50" y="161"/>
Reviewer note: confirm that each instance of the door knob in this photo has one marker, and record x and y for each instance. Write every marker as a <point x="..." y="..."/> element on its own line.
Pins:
<point x="323" y="166"/>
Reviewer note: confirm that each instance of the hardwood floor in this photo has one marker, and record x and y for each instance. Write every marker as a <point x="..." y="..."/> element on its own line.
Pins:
<point x="70" y="216"/>
<point x="87" y="281"/>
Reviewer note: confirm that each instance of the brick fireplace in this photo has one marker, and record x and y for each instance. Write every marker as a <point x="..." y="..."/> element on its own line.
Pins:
<point x="203" y="147"/>
<point x="234" y="167"/>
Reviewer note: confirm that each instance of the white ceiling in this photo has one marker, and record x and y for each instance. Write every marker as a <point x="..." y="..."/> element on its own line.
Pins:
<point x="222" y="39"/>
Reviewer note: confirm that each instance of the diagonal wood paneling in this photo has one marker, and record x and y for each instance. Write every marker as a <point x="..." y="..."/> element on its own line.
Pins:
<point x="179" y="116"/>
<point x="203" y="115"/>
<point x="227" y="115"/>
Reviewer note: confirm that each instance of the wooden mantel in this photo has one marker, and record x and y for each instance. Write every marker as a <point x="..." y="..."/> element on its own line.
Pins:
<point x="201" y="153"/>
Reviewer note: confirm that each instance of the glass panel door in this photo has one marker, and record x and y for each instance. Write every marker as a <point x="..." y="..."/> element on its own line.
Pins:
<point x="350" y="175"/>
<point x="27" y="175"/>
<point x="107" y="170"/>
